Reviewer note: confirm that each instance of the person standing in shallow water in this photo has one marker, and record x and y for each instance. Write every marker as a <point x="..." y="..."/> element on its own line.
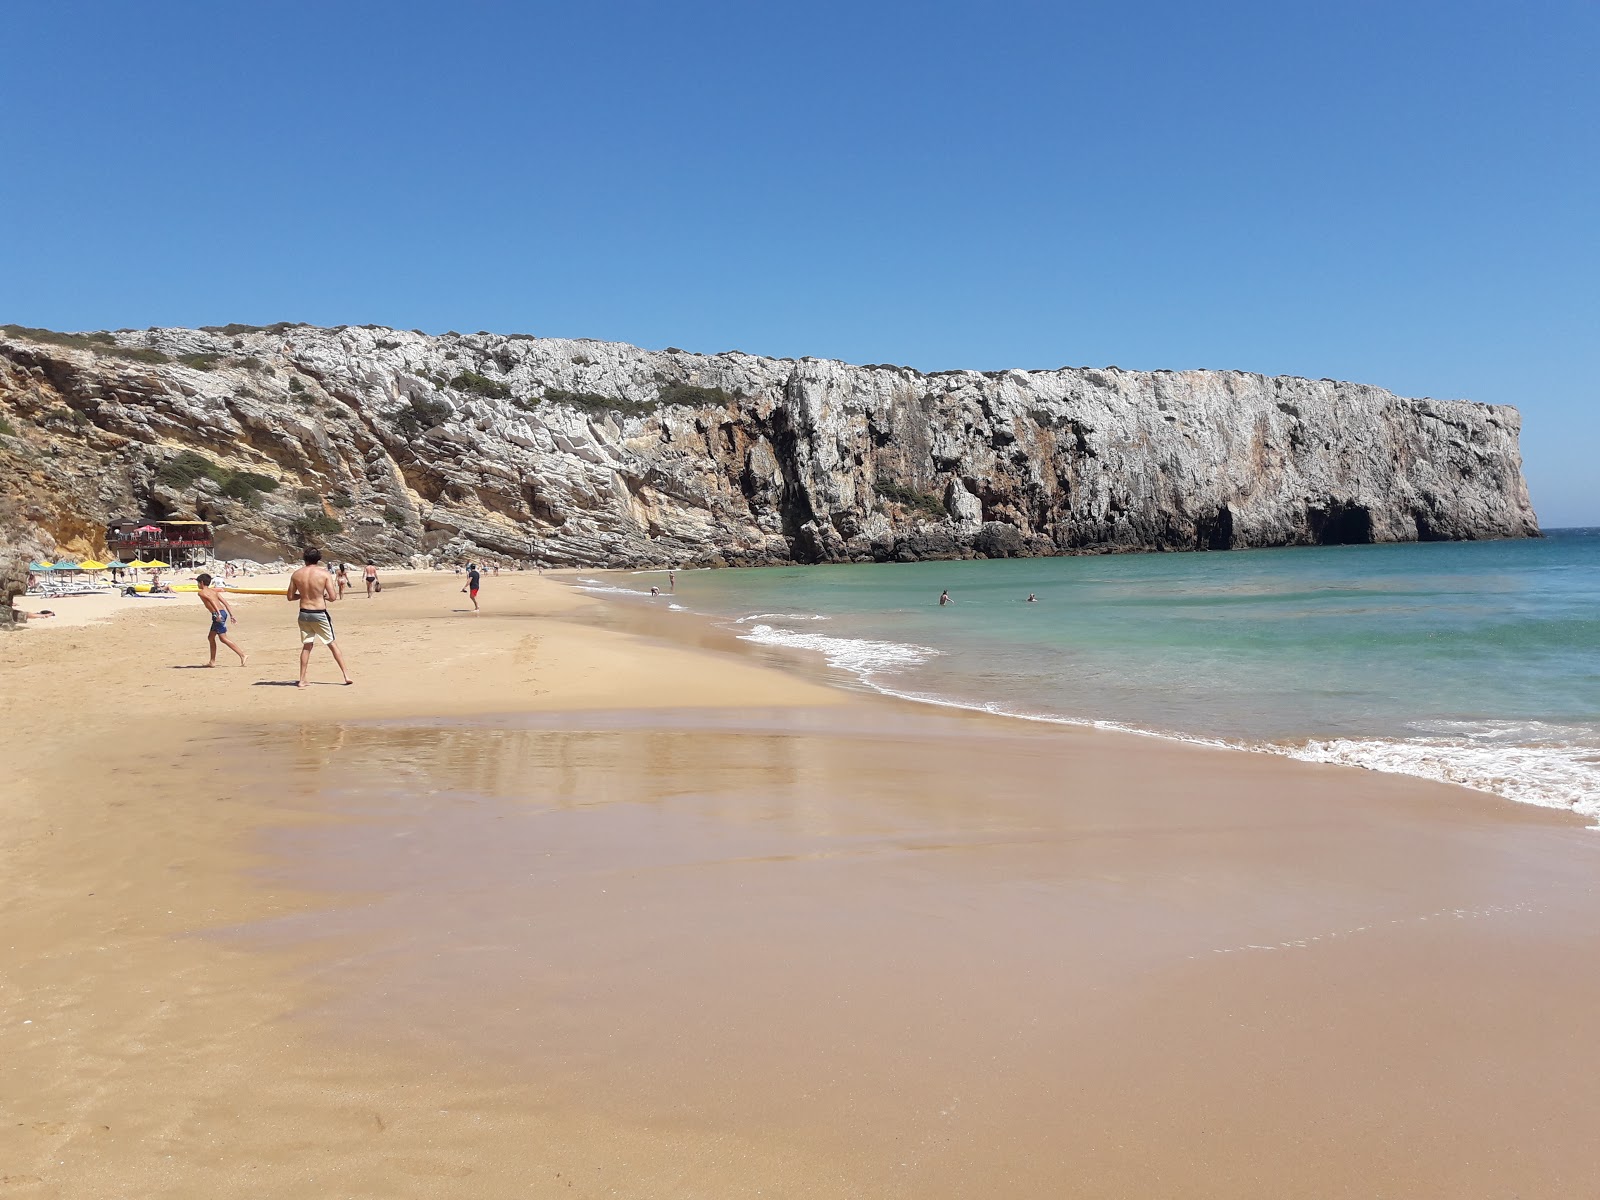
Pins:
<point x="221" y="614"/>
<point x="315" y="589"/>
<point x="944" y="598"/>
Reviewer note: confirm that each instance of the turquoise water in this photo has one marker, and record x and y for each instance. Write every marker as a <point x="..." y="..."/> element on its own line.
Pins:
<point x="1477" y="662"/>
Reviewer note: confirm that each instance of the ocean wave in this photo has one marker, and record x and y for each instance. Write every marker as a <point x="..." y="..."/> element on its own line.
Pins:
<point x="1550" y="774"/>
<point x="861" y="656"/>
<point x="745" y="620"/>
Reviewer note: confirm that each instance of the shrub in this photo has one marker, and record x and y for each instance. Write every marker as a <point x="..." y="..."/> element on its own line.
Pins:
<point x="295" y="385"/>
<point x="591" y="402"/>
<point x="925" y="503"/>
<point x="200" y="362"/>
<point x="239" y="487"/>
<point x="451" y="355"/>
<point x="341" y="500"/>
<point x="76" y="341"/>
<point x="134" y="354"/>
<point x="7" y="429"/>
<point x="98" y="343"/>
<point x="186" y="468"/>
<point x="307" y="496"/>
<point x="582" y="360"/>
<point x="471" y="381"/>
<point x="183" y="470"/>
<point x="314" y="524"/>
<point x="693" y="395"/>
<point x="250" y="363"/>
<point x="231" y="329"/>
<point x="395" y="517"/>
<point x="261" y="483"/>
<point x="420" y="415"/>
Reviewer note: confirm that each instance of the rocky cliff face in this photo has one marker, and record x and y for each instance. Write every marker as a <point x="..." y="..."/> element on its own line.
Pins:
<point x="380" y="442"/>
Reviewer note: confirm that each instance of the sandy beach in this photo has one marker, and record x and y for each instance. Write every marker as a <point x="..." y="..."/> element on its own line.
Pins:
<point x="571" y="899"/>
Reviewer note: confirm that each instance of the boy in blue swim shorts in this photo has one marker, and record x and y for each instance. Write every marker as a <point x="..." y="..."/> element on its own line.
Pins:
<point x="221" y="614"/>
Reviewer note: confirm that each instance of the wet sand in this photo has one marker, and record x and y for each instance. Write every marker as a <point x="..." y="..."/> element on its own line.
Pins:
<point x="689" y="926"/>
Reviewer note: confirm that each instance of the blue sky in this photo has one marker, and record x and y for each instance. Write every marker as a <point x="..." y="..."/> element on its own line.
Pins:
<point x="1400" y="193"/>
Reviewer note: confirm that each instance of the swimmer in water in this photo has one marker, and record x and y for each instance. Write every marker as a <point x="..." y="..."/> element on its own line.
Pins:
<point x="944" y="598"/>
<point x="1032" y="599"/>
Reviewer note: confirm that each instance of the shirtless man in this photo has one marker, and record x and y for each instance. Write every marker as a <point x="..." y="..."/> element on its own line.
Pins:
<point x="221" y="614"/>
<point x="370" y="574"/>
<point x="315" y="589"/>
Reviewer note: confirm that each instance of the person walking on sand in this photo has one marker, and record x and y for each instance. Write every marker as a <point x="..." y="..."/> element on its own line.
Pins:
<point x="221" y="614"/>
<point x="370" y="574"/>
<point x="473" y="579"/>
<point x="944" y="598"/>
<point x="343" y="577"/>
<point x="315" y="589"/>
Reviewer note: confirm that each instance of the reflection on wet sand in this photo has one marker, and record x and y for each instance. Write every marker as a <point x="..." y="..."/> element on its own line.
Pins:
<point x="939" y="956"/>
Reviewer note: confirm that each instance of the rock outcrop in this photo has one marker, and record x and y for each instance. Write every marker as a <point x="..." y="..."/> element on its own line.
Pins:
<point x="397" y="445"/>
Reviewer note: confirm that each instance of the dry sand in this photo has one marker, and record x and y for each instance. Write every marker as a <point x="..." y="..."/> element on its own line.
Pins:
<point x="691" y="926"/>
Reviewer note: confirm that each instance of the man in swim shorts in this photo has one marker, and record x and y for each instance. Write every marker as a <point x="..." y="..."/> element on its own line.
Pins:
<point x="315" y="589"/>
<point x="221" y="614"/>
<point x="473" y="579"/>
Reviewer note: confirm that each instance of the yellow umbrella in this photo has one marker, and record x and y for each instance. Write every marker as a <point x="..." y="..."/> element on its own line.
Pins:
<point x="156" y="562"/>
<point x="90" y="564"/>
<point x="139" y="564"/>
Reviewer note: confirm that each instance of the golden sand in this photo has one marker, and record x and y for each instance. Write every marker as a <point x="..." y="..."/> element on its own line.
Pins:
<point x="687" y="925"/>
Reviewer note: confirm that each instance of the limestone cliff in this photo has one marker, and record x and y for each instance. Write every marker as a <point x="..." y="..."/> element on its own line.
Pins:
<point x="395" y="444"/>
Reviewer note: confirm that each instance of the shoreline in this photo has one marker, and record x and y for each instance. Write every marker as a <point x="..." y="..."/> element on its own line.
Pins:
<point x="169" y="1044"/>
<point x="1431" y="759"/>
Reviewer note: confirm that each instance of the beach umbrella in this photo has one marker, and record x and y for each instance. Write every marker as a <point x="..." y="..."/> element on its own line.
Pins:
<point x="115" y="564"/>
<point x="65" y="566"/>
<point x="156" y="562"/>
<point x="40" y="566"/>
<point x="139" y="564"/>
<point x="148" y="529"/>
<point x="90" y="564"/>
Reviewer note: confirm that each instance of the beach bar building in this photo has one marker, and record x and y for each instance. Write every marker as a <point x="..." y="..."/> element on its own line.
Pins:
<point x="177" y="543"/>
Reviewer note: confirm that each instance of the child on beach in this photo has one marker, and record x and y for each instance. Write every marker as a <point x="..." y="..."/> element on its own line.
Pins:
<point x="474" y="578"/>
<point x="221" y="614"/>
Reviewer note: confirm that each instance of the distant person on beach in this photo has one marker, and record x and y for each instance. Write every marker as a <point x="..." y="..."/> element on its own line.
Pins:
<point x="655" y="591"/>
<point x="315" y="589"/>
<point x="672" y="581"/>
<point x="370" y="574"/>
<point x="944" y="598"/>
<point x="473" y="579"/>
<point x="221" y="614"/>
<point x="1032" y="599"/>
<point x="344" y="578"/>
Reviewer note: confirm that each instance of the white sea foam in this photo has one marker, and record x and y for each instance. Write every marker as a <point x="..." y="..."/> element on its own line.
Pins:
<point x="1546" y="773"/>
<point x="861" y="656"/>
<point x="745" y="620"/>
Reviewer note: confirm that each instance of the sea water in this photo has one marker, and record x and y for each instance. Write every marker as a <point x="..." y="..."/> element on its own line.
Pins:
<point x="1472" y="662"/>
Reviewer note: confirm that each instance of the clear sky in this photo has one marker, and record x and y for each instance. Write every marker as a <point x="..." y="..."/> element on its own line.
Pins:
<point x="1399" y="193"/>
